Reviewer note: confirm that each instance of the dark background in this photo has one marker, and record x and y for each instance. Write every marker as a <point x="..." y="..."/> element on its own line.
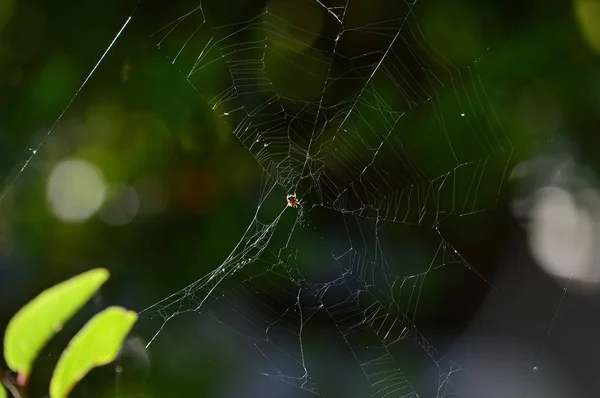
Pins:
<point x="513" y="328"/>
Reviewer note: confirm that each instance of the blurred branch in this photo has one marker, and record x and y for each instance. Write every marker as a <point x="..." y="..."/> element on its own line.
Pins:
<point x="11" y="384"/>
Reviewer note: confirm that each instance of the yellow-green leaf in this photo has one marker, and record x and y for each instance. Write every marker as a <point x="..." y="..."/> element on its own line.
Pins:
<point x="2" y="391"/>
<point x="96" y="344"/>
<point x="40" y="319"/>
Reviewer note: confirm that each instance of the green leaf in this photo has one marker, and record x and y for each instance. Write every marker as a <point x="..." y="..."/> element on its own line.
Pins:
<point x="2" y="391"/>
<point x="40" y="319"/>
<point x="96" y="344"/>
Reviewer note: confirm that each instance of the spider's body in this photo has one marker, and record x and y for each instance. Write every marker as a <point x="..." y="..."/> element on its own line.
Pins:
<point x="292" y="200"/>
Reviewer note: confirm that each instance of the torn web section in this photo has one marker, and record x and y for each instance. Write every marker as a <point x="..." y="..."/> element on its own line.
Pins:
<point x="347" y="104"/>
<point x="386" y="302"/>
<point x="261" y="69"/>
<point x="342" y="107"/>
<point x="317" y="320"/>
<point x="377" y="161"/>
<point x="257" y="294"/>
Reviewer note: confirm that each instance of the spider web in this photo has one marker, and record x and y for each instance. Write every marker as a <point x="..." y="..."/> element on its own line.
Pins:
<point x="342" y="107"/>
<point x="346" y="140"/>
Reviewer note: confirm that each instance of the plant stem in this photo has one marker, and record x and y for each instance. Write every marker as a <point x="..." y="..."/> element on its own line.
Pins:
<point x="11" y="384"/>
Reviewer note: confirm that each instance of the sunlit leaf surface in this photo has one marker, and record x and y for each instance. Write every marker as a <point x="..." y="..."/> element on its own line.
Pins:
<point x="96" y="344"/>
<point x="31" y="328"/>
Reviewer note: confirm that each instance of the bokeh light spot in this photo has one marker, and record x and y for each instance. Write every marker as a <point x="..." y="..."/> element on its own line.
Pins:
<point x="122" y="207"/>
<point x="561" y="234"/>
<point x="75" y="190"/>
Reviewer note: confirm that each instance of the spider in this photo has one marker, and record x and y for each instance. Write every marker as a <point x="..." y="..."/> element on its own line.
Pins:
<point x="292" y="200"/>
